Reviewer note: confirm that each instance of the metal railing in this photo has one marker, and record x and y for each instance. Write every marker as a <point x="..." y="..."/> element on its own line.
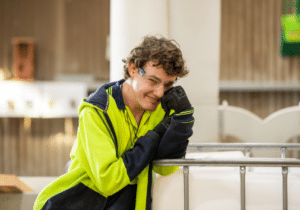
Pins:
<point x="241" y="163"/>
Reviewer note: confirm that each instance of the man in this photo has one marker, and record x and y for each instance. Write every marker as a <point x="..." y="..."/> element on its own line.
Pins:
<point x="123" y="127"/>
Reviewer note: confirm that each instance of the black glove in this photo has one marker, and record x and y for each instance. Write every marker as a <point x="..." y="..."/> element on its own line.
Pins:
<point x="175" y="98"/>
<point x="162" y="127"/>
<point x="175" y="141"/>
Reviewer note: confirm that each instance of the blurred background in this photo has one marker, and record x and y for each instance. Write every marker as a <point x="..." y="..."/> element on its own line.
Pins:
<point x="54" y="53"/>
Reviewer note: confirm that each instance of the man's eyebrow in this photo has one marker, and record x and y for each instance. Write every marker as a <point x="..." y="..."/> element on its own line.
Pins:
<point x="154" y="77"/>
<point x="167" y="82"/>
<point x="170" y="82"/>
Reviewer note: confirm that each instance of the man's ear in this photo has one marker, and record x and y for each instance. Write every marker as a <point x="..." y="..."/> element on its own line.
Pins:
<point x="132" y="69"/>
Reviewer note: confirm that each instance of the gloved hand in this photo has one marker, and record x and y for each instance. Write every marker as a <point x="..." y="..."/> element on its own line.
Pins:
<point x="175" y="140"/>
<point x="175" y="98"/>
<point x="162" y="127"/>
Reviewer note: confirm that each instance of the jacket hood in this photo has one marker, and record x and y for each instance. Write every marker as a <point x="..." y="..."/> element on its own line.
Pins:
<point x="100" y="98"/>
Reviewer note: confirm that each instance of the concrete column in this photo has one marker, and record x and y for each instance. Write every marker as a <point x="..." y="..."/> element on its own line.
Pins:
<point x="130" y="21"/>
<point x="195" y="25"/>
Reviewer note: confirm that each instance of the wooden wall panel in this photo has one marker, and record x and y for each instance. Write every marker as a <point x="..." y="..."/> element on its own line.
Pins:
<point x="87" y="26"/>
<point x="70" y="36"/>
<point x="250" y="43"/>
<point x="2" y="35"/>
<point x="34" y="19"/>
<point x="250" y="51"/>
<point x="36" y="147"/>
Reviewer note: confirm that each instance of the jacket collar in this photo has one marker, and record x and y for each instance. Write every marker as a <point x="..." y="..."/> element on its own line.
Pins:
<point x="100" y="97"/>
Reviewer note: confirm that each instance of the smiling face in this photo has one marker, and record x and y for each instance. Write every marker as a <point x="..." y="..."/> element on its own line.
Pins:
<point x="148" y="89"/>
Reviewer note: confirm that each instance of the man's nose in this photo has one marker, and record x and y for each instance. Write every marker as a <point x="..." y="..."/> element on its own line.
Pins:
<point x="159" y="91"/>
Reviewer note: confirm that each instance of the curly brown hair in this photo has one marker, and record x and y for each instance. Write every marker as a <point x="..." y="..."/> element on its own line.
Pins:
<point x="163" y="52"/>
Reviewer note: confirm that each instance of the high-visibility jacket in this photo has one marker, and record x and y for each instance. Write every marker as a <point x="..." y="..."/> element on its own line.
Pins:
<point x="106" y="170"/>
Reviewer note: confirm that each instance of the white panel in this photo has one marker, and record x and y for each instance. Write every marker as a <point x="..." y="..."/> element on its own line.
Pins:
<point x="279" y="127"/>
<point x="205" y="128"/>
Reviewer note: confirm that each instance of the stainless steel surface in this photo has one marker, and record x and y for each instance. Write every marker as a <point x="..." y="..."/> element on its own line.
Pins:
<point x="248" y="152"/>
<point x="284" y="188"/>
<point x="221" y="119"/>
<point x="186" y="187"/>
<point x="242" y="163"/>
<point x="243" y="146"/>
<point x="226" y="162"/>
<point x="243" y="187"/>
<point x="283" y="152"/>
<point x="238" y="162"/>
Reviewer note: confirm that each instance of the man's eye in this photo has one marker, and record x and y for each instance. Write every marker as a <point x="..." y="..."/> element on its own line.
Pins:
<point x="153" y="81"/>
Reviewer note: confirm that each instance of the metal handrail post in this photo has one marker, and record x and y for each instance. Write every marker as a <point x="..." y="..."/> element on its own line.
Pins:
<point x="284" y="188"/>
<point x="243" y="187"/>
<point x="248" y="152"/>
<point x="242" y="163"/>
<point x="283" y="152"/>
<point x="186" y="187"/>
